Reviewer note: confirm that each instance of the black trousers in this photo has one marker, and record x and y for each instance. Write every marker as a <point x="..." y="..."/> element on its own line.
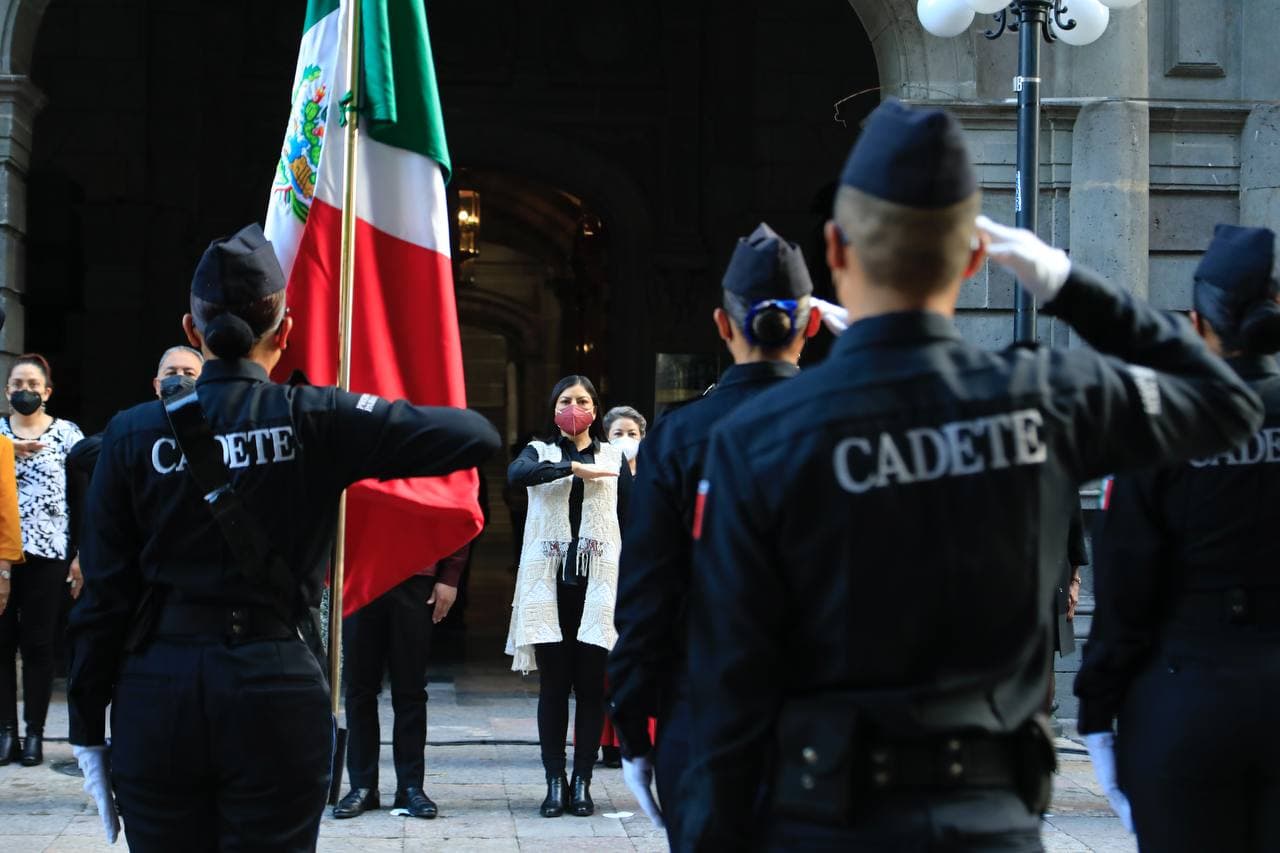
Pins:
<point x="29" y="624"/>
<point x="973" y="821"/>
<point x="1196" y="750"/>
<point x="390" y="634"/>
<point x="670" y="761"/>
<point x="570" y="666"/>
<point x="221" y="748"/>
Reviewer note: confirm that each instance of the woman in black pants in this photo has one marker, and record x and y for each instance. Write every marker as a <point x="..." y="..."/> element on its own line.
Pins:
<point x="40" y="443"/>
<point x="562" y="613"/>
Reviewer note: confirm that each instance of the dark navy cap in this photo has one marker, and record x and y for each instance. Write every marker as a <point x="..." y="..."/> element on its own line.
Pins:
<point x="765" y="266"/>
<point x="239" y="269"/>
<point x="911" y="156"/>
<point x="1239" y="261"/>
<point x="1233" y="276"/>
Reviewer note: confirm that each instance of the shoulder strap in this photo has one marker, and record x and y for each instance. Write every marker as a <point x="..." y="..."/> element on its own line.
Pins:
<point x="243" y="533"/>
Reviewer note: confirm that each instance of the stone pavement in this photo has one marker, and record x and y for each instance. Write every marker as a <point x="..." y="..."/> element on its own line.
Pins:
<point x="484" y="772"/>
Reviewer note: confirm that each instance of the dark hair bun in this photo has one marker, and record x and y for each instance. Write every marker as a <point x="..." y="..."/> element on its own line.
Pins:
<point x="1260" y="327"/>
<point x="228" y="336"/>
<point x="771" y="327"/>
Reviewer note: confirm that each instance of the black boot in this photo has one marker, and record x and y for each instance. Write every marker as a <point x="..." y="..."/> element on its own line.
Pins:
<point x="33" y="748"/>
<point x="557" y="795"/>
<point x="582" y="805"/>
<point x="612" y="757"/>
<point x="10" y="744"/>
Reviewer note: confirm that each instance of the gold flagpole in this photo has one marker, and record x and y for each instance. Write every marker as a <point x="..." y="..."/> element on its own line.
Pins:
<point x="346" y="283"/>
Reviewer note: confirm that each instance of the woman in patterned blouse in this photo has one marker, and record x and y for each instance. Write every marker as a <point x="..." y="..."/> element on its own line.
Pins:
<point x="40" y="443"/>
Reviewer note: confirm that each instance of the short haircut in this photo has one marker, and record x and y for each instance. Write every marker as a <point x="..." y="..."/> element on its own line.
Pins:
<point x="620" y="412"/>
<point x="179" y="348"/>
<point x="914" y="250"/>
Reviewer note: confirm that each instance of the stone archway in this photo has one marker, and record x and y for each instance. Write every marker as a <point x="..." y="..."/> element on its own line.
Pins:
<point x="913" y="64"/>
<point x="559" y="161"/>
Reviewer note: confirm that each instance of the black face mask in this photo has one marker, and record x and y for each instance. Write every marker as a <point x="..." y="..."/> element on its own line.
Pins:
<point x="176" y="386"/>
<point x="25" y="402"/>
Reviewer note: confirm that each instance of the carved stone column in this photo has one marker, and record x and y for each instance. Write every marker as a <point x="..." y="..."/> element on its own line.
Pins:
<point x="20" y="102"/>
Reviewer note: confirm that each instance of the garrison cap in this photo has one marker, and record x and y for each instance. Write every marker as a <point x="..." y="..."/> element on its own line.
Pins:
<point x="911" y="156"/>
<point x="1238" y="262"/>
<point x="765" y="266"/>
<point x="238" y="270"/>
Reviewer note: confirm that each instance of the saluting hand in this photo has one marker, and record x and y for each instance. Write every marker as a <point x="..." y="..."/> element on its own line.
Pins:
<point x="591" y="472"/>
<point x="442" y="596"/>
<point x="22" y="448"/>
<point x="1039" y="267"/>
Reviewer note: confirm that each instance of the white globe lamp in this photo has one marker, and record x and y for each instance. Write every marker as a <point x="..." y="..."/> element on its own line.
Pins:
<point x="1091" y="19"/>
<point x="945" y="18"/>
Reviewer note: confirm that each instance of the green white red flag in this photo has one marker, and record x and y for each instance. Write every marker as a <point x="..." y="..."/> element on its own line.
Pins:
<point x="405" y="341"/>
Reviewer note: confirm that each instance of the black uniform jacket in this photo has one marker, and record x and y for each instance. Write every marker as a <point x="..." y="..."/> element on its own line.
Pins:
<point x="290" y="451"/>
<point x="647" y="665"/>
<point x="1170" y="533"/>
<point x="887" y="528"/>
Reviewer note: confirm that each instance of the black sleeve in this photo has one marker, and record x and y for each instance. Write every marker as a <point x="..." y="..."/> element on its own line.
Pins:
<point x="1127" y="561"/>
<point x="80" y="463"/>
<point x="96" y="628"/>
<point x="369" y="437"/>
<point x="653" y="580"/>
<point x="736" y="651"/>
<point x="527" y="470"/>
<point x="626" y="485"/>
<point x="1077" y="551"/>
<point x="1156" y="395"/>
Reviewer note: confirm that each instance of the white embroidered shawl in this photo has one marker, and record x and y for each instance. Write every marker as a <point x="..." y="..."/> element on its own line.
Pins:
<point x="547" y="535"/>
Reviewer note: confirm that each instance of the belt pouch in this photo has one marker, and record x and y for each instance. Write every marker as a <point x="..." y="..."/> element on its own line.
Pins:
<point x="813" y="777"/>
<point x="1035" y="761"/>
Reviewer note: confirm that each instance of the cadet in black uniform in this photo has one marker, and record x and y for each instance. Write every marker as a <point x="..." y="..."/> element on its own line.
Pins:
<point x="221" y="732"/>
<point x="881" y="536"/>
<point x="1185" y="645"/>
<point x="764" y="323"/>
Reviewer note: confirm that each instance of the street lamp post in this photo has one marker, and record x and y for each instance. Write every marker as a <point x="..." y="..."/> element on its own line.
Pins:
<point x="1076" y="22"/>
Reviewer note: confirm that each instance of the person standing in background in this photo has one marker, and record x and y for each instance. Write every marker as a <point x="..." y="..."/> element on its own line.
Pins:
<point x="392" y="634"/>
<point x="41" y="443"/>
<point x="10" y="555"/>
<point x="562" y="612"/>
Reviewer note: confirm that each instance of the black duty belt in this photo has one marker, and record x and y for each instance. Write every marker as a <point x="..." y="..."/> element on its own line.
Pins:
<point x="231" y="623"/>
<point x="1237" y="606"/>
<point x="967" y="761"/>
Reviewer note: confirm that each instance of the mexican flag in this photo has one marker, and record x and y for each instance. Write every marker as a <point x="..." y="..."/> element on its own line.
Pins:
<point x="405" y="341"/>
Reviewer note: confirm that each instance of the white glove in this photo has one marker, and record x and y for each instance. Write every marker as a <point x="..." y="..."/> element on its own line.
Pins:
<point x="638" y="774"/>
<point x="1039" y="267"/>
<point x="835" y="318"/>
<point x="95" y="764"/>
<point x="1102" y="753"/>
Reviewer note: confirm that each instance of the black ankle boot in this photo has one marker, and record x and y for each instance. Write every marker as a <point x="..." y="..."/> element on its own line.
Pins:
<point x="557" y="795"/>
<point x="582" y="805"/>
<point x="33" y="748"/>
<point x="10" y="744"/>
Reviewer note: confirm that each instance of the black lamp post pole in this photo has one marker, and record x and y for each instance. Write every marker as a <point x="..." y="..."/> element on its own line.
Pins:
<point x="1032" y="20"/>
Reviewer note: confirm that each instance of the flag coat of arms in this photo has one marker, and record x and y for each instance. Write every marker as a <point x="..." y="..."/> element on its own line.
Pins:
<point x="405" y="341"/>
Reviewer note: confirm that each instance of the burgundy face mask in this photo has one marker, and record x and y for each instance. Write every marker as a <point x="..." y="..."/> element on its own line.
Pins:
<point x="574" y="420"/>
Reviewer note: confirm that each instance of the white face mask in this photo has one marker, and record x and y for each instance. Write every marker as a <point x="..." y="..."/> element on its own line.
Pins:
<point x="628" y="445"/>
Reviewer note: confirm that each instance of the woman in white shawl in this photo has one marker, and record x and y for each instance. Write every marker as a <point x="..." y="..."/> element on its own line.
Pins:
<point x="562" y="614"/>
